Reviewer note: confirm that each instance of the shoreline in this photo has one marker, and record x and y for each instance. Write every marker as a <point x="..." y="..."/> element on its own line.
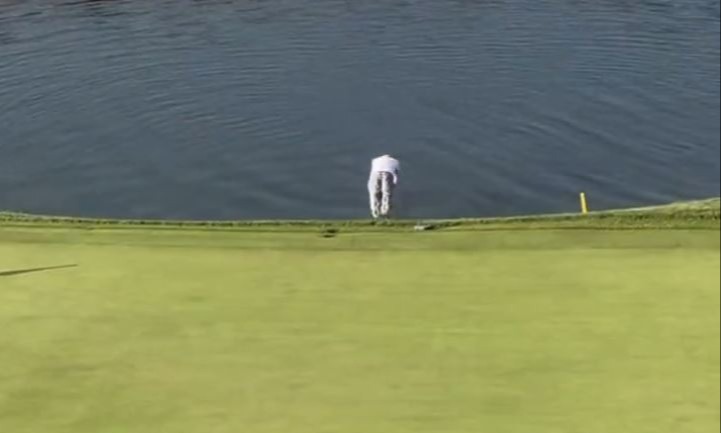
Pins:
<point x="697" y="214"/>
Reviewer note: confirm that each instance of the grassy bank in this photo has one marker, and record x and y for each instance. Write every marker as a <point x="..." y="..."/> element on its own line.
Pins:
<point x="690" y="214"/>
<point x="457" y="330"/>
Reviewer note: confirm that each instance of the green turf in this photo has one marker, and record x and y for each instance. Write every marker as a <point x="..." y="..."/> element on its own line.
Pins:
<point x="548" y="331"/>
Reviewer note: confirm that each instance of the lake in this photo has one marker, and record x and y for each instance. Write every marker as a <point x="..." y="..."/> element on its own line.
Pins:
<point x="273" y="109"/>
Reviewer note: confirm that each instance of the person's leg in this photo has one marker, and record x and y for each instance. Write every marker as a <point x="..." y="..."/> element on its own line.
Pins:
<point x="374" y="192"/>
<point x="387" y="194"/>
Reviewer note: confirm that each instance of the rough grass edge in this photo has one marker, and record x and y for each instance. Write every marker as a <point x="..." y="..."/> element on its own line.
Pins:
<point x="698" y="214"/>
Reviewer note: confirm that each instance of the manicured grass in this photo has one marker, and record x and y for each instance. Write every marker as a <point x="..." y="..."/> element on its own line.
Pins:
<point x="448" y="331"/>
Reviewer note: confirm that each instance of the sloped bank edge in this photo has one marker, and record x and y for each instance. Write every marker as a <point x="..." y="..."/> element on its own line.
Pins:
<point x="699" y="214"/>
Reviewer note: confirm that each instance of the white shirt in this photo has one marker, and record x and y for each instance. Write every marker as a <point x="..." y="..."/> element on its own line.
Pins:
<point x="385" y="163"/>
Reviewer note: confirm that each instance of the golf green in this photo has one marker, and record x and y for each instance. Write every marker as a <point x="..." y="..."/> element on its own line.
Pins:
<point x="500" y="331"/>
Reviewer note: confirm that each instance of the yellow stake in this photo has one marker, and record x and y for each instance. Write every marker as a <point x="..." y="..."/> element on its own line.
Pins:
<point x="584" y="204"/>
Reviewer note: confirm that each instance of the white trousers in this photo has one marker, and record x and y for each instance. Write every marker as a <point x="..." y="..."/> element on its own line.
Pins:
<point x="380" y="190"/>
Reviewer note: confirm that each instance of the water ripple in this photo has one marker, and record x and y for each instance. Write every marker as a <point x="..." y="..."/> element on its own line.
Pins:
<point x="225" y="109"/>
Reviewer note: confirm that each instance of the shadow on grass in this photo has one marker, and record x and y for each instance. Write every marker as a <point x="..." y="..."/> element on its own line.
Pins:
<point x="32" y="270"/>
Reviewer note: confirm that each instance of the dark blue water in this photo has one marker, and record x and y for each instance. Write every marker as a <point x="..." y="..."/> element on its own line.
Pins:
<point x="273" y="109"/>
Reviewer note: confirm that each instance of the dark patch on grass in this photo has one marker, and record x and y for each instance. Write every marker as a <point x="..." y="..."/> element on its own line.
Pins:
<point x="329" y="232"/>
<point x="15" y="272"/>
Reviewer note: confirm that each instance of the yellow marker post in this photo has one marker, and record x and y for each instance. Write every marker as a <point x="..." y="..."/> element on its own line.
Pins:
<point x="584" y="204"/>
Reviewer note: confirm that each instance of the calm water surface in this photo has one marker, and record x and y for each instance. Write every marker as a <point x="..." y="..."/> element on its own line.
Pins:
<point x="273" y="109"/>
